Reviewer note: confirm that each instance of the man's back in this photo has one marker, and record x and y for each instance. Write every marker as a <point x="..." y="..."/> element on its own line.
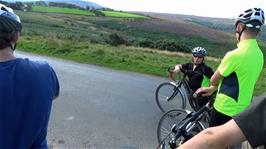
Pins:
<point x="26" y="92"/>
<point x="241" y="69"/>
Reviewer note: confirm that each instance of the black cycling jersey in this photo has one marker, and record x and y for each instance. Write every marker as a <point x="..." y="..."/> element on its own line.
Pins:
<point x="196" y="79"/>
<point x="252" y="122"/>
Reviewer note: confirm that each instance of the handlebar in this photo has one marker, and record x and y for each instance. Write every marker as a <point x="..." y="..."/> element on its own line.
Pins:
<point x="186" y="72"/>
<point x="197" y="95"/>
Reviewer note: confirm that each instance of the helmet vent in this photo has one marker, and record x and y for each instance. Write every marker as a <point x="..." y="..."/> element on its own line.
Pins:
<point x="3" y="8"/>
<point x="247" y="10"/>
<point x="248" y="15"/>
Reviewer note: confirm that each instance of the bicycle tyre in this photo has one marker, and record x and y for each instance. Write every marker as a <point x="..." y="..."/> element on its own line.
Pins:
<point x="170" y="118"/>
<point x="193" y="103"/>
<point x="167" y="121"/>
<point x="167" y="90"/>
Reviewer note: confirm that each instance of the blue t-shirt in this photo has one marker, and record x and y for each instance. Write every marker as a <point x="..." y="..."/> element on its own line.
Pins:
<point x="27" y="89"/>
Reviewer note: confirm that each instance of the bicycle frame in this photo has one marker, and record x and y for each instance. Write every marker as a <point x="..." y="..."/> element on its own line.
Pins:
<point x="178" y="84"/>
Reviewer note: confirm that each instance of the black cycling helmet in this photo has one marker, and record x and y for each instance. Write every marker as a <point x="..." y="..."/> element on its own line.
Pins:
<point x="252" y="18"/>
<point x="199" y="51"/>
<point x="9" y="21"/>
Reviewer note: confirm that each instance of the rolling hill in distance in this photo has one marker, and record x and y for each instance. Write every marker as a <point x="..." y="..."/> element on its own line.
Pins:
<point x="81" y="3"/>
<point x="216" y="34"/>
<point x="215" y="24"/>
<point x="199" y="25"/>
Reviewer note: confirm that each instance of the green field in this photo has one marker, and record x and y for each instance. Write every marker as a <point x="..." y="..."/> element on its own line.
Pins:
<point x="83" y="12"/>
<point x="61" y="10"/>
<point x="121" y="14"/>
<point x="85" y="39"/>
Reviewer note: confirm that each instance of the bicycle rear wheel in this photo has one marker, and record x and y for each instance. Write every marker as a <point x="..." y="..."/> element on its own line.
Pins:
<point x="164" y="134"/>
<point x="169" y="97"/>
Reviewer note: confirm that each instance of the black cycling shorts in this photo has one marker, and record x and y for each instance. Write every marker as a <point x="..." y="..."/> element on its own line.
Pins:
<point x="218" y="118"/>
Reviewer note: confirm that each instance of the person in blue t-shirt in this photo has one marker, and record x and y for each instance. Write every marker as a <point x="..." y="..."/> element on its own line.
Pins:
<point x="27" y="89"/>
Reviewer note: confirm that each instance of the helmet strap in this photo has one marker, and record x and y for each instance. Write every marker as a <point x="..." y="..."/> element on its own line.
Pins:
<point x="13" y="47"/>
<point x="9" y="39"/>
<point x="240" y="33"/>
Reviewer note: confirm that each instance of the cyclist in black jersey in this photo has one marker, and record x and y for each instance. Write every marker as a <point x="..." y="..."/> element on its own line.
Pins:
<point x="199" y="73"/>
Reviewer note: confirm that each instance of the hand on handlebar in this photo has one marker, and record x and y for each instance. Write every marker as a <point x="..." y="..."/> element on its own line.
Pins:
<point x="171" y="74"/>
<point x="206" y="91"/>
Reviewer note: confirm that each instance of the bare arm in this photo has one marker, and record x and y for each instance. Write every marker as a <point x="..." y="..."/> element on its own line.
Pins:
<point x="216" y="137"/>
<point x="177" y="68"/>
<point x="216" y="77"/>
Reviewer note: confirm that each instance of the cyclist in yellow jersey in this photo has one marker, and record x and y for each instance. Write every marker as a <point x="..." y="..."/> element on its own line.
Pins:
<point x="239" y="70"/>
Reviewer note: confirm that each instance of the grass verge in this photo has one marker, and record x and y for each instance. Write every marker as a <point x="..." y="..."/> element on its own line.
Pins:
<point x="141" y="60"/>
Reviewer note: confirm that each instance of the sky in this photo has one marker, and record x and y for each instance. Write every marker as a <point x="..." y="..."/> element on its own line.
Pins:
<point x="209" y="8"/>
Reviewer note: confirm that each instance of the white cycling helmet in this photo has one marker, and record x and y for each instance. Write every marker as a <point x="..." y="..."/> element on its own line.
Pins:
<point x="199" y="51"/>
<point x="9" y="21"/>
<point x="250" y="16"/>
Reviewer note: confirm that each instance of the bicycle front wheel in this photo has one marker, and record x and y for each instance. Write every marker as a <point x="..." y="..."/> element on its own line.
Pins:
<point x="164" y="134"/>
<point x="169" y="97"/>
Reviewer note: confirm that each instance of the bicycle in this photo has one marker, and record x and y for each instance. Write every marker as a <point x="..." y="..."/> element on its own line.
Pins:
<point x="177" y="126"/>
<point x="170" y="94"/>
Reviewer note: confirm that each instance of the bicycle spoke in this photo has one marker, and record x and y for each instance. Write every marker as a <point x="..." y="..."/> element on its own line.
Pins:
<point x="168" y="98"/>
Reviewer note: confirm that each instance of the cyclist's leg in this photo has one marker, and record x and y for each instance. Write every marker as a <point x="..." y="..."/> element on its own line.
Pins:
<point x="217" y="118"/>
<point x="202" y="101"/>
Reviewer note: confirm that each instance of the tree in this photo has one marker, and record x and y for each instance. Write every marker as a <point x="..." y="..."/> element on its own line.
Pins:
<point x="98" y="13"/>
<point x="87" y="7"/>
<point x="115" y="40"/>
<point x="20" y="6"/>
<point x="40" y="3"/>
<point x="28" y="6"/>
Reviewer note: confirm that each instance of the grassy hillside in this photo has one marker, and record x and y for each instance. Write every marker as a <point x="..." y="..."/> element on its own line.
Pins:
<point x="215" y="30"/>
<point x="86" y="39"/>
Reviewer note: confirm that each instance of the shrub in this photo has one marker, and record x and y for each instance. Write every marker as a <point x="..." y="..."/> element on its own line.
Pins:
<point x="170" y="45"/>
<point x="115" y="40"/>
<point x="146" y="43"/>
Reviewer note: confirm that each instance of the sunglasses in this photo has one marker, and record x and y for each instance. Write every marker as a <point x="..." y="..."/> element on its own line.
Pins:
<point x="199" y="56"/>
